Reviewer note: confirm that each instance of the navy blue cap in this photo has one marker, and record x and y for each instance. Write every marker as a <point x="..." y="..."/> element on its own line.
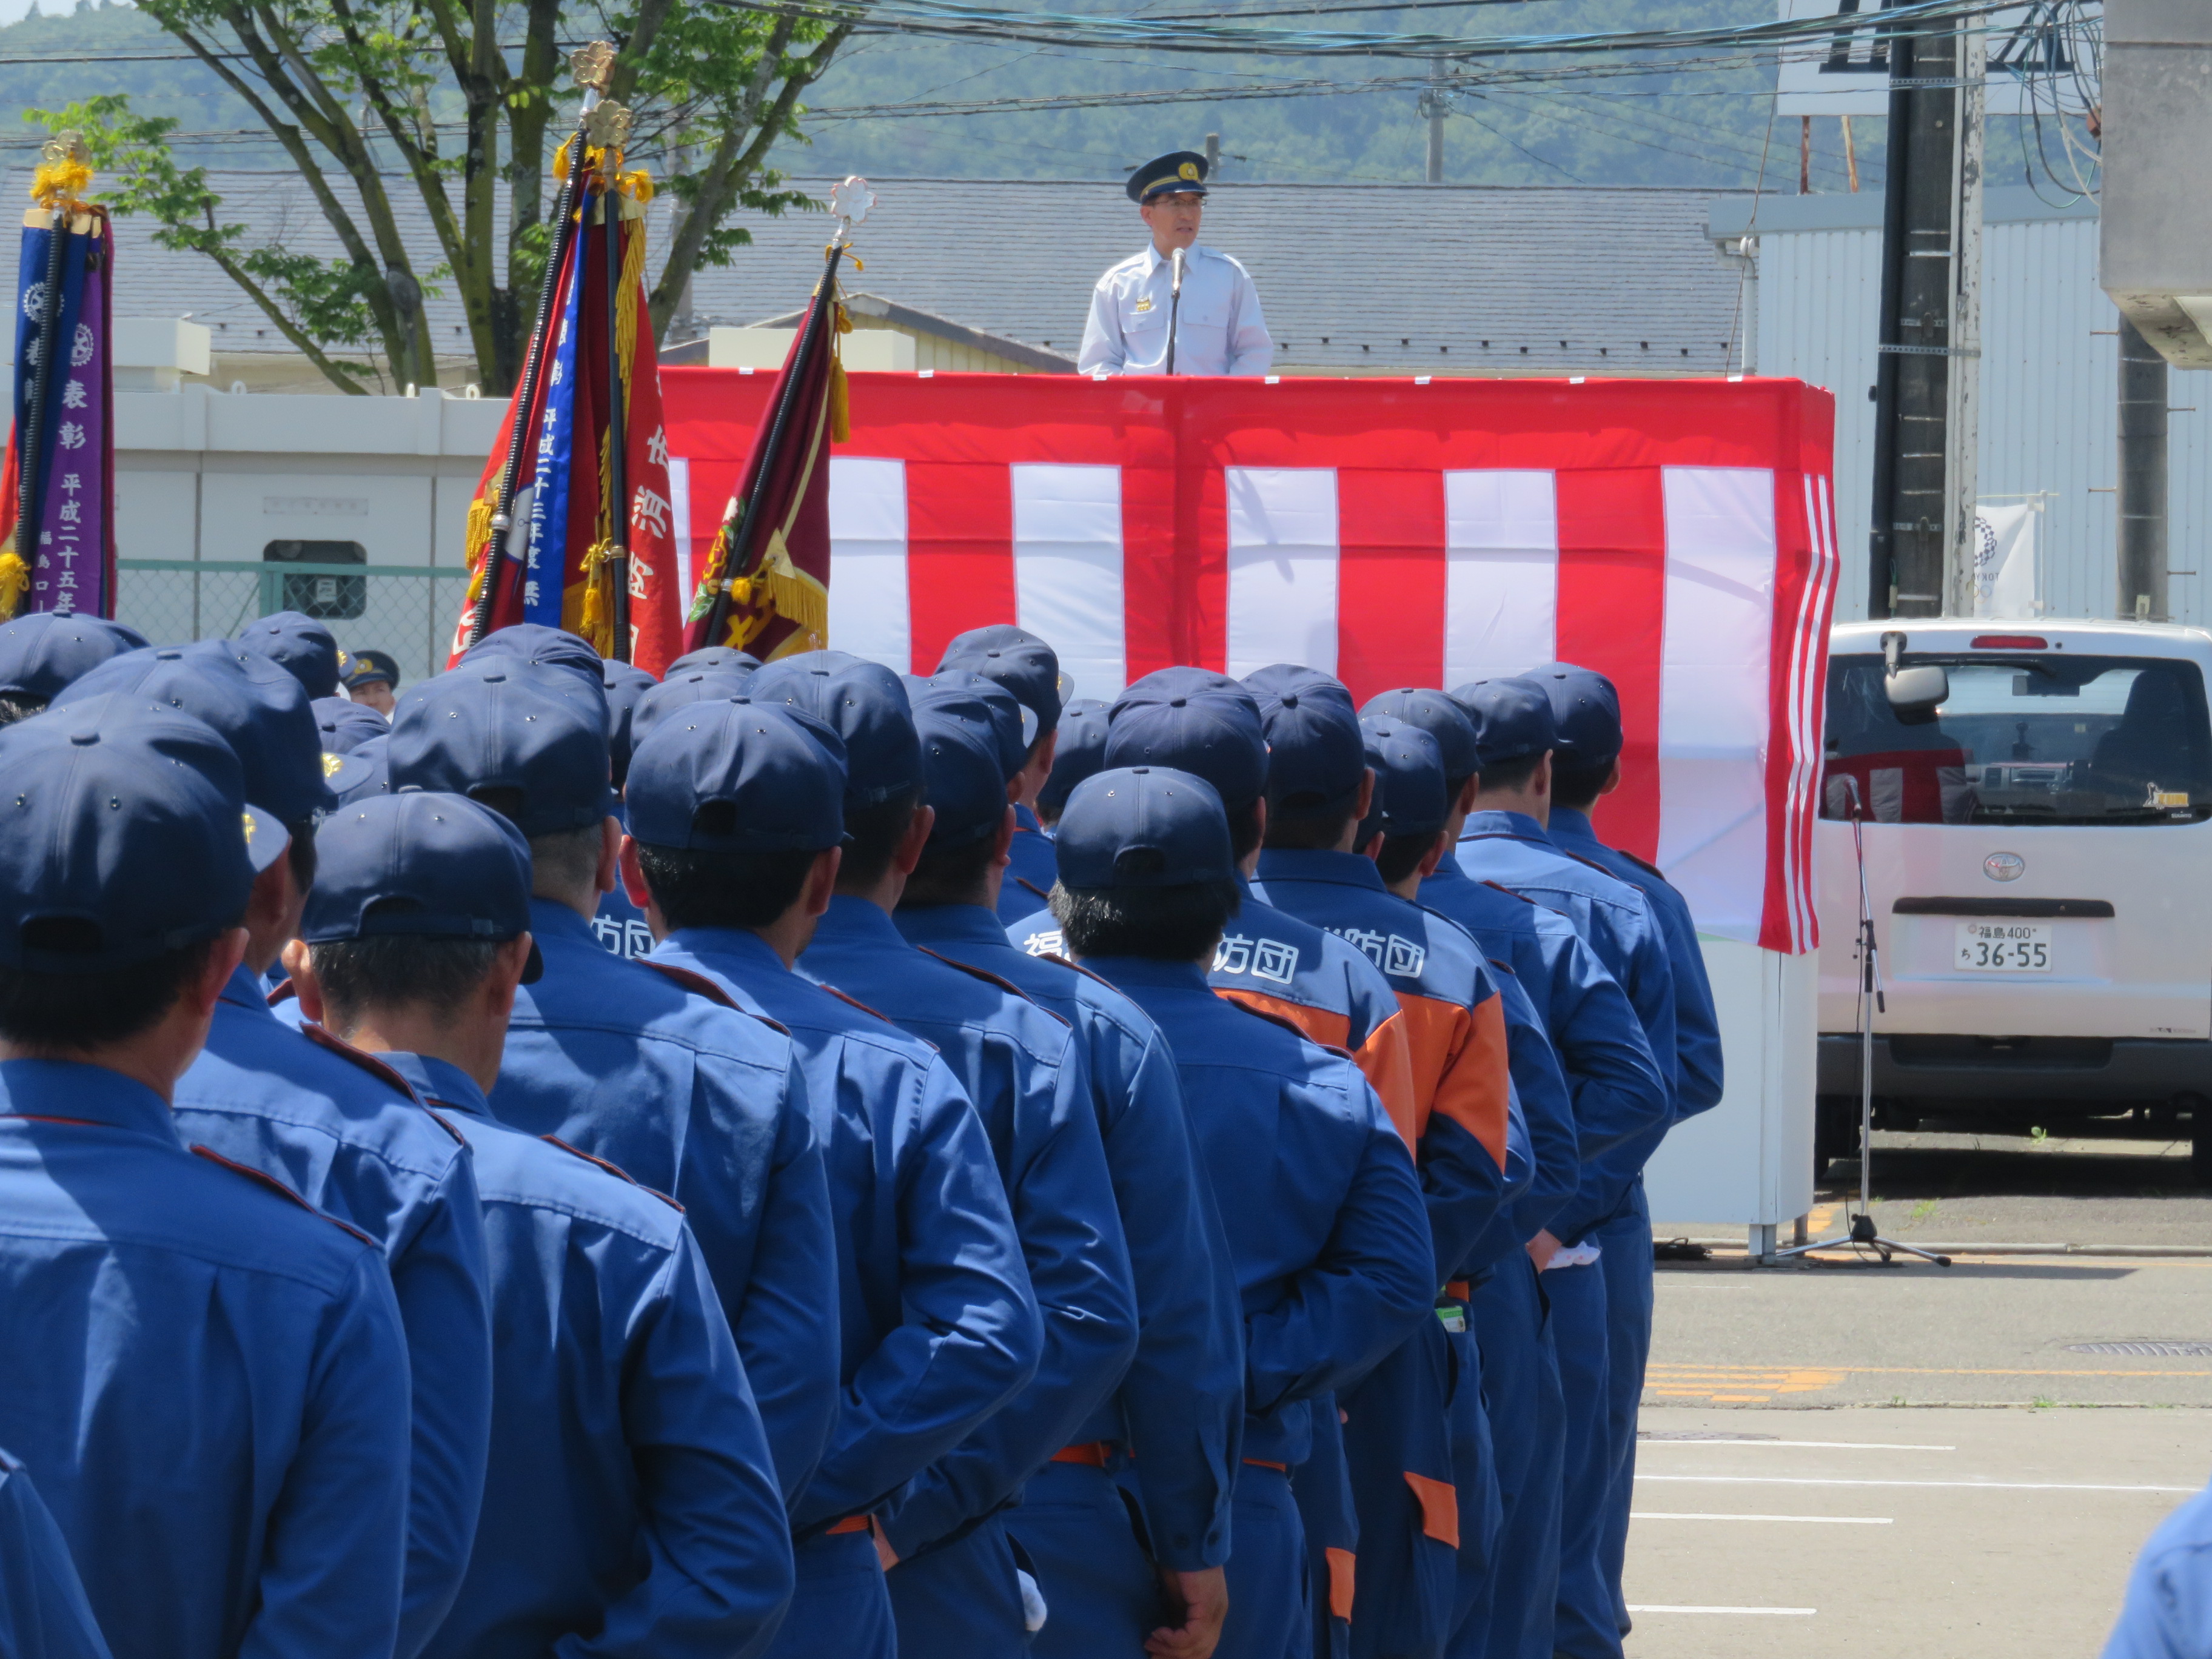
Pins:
<point x="989" y="705"/>
<point x="44" y="654"/>
<point x="681" y="691"/>
<point x="508" y="725"/>
<point x="1409" y="778"/>
<point x="712" y="656"/>
<point x="1314" y="757"/>
<point x="367" y="668"/>
<point x="371" y="771"/>
<point x="865" y="703"/>
<point x="780" y="770"/>
<point x="1080" y="751"/>
<point x="1217" y="738"/>
<point x="346" y="726"/>
<point x="1143" y="826"/>
<point x="1017" y="659"/>
<point x="625" y="682"/>
<point x="304" y="646"/>
<point x="125" y="833"/>
<point x="422" y="865"/>
<point x="534" y="642"/>
<point x="1178" y="171"/>
<point x="961" y="767"/>
<point x="1435" y="713"/>
<point x="1512" y="718"/>
<point x="1166" y="684"/>
<point x="1586" y="709"/>
<point x="252" y="703"/>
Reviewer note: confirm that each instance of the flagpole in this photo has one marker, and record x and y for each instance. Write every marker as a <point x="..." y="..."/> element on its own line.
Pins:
<point x="592" y="66"/>
<point x="617" y="439"/>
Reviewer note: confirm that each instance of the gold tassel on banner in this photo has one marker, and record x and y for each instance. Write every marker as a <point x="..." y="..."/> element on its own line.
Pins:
<point x="14" y="582"/>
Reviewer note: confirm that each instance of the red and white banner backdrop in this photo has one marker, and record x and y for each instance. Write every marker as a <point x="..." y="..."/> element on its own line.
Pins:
<point x="1677" y="535"/>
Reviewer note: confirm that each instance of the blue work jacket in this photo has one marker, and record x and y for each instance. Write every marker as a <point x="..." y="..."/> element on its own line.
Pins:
<point x="341" y="1129"/>
<point x="1615" y="921"/>
<point x="705" y="1102"/>
<point x="1697" y="1025"/>
<point x="1274" y="962"/>
<point x="1455" y="1034"/>
<point x="1022" y="1068"/>
<point x="937" y="1326"/>
<point x="1547" y="1118"/>
<point x="207" y="1378"/>
<point x="2168" y="1613"/>
<point x="1318" y="1194"/>
<point x="1032" y="867"/>
<point x="632" y="1505"/>
<point x="42" y="1611"/>
<point x="1596" y="1037"/>
<point x="1182" y="1403"/>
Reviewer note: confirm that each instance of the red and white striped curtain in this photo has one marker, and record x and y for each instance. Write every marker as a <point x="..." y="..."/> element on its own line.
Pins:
<point x="1677" y="536"/>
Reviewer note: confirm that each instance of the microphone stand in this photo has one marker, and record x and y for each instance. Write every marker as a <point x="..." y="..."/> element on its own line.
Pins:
<point x="1174" y="302"/>
<point x="1862" y="1234"/>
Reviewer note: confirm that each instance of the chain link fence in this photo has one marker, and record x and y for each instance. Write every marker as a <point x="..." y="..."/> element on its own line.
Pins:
<point x="408" y="611"/>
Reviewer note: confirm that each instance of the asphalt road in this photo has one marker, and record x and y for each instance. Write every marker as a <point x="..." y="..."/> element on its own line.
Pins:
<point x="1918" y="1461"/>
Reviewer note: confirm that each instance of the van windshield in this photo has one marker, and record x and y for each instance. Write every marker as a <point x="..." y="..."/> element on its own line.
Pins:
<point x="2048" y="737"/>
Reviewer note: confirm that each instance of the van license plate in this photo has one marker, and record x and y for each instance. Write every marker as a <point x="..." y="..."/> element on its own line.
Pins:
<point x="2002" y="947"/>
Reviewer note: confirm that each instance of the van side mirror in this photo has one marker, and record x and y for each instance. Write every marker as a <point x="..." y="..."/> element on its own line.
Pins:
<point x="1914" y="693"/>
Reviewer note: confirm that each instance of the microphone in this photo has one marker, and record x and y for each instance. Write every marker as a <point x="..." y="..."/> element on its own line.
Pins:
<point x="1174" y="282"/>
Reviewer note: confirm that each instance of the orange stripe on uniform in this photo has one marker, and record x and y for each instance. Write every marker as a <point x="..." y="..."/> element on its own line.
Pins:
<point x="1436" y="1030"/>
<point x="1341" y="1564"/>
<point x="1439" y="1501"/>
<point x="1476" y="1092"/>
<point x="1387" y="1058"/>
<point x="1315" y="1025"/>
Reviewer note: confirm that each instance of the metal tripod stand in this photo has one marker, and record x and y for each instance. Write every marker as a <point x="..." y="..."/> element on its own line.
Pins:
<point x="1861" y="1233"/>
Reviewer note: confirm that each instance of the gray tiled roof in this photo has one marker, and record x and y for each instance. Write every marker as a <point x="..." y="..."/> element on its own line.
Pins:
<point x="1419" y="276"/>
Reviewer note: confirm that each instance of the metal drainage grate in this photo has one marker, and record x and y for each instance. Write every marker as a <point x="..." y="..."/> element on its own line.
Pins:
<point x="1643" y="1434"/>
<point x="2145" y="1350"/>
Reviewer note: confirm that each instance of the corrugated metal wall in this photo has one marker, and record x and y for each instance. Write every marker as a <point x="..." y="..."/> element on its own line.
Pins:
<point x="2050" y="365"/>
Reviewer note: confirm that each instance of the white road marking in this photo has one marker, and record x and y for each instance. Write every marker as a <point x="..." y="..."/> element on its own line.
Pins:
<point x="1770" y="1613"/>
<point x="1824" y="1445"/>
<point x="1971" y="1485"/>
<point x="1822" y="1519"/>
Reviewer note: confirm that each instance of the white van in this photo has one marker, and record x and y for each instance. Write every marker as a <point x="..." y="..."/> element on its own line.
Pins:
<point x="2039" y="855"/>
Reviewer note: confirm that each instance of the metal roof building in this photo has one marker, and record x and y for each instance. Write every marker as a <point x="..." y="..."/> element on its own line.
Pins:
<point x="2050" y="369"/>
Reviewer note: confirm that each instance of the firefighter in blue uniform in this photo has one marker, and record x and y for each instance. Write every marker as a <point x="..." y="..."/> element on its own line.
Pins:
<point x="616" y="923"/>
<point x="1078" y="751"/>
<point x="720" y="659"/>
<point x="2168" y="1613"/>
<point x="42" y="1611"/>
<point x="1209" y="725"/>
<point x="737" y="822"/>
<point x="1318" y="1196"/>
<point x="1111" y="1575"/>
<point x="1503" y="838"/>
<point x="225" y="1449"/>
<point x="1399" y="1422"/>
<point x="702" y="1102"/>
<point x="1616" y="1093"/>
<point x="1586" y="713"/>
<point x="632" y="1505"/>
<point x="1029" y="669"/>
<point x="333" y="1124"/>
<point x="1022" y="1070"/>
<point x="42" y="655"/>
<point x="547" y="647"/>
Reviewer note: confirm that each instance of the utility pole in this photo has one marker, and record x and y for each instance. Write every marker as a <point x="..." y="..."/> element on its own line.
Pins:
<point x="1432" y="106"/>
<point x="1212" y="158"/>
<point x="1916" y="535"/>
<point x="2142" y="490"/>
<point x="1962" y="415"/>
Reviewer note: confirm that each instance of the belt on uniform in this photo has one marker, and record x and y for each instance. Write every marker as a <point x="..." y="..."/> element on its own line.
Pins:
<point x="1264" y="1463"/>
<point x="1463" y="1289"/>
<point x="1094" y="1453"/>
<point x="850" y="1523"/>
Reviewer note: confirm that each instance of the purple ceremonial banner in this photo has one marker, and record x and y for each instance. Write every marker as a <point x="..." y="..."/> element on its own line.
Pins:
<point x="71" y="570"/>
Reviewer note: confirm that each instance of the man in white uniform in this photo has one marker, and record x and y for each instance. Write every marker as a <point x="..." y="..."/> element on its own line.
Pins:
<point x="1138" y="326"/>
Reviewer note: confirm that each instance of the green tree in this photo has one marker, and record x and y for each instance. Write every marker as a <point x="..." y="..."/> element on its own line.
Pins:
<point x="372" y="99"/>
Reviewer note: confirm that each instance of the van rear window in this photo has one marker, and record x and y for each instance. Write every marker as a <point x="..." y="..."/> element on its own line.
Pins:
<point x="2049" y="738"/>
